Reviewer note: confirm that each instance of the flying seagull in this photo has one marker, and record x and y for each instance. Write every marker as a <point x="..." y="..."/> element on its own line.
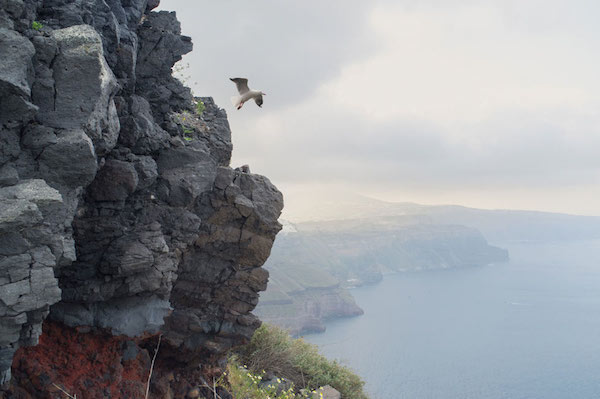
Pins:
<point x="245" y="93"/>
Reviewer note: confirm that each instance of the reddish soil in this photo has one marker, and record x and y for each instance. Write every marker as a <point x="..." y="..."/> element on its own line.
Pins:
<point x="89" y="365"/>
<point x="97" y="365"/>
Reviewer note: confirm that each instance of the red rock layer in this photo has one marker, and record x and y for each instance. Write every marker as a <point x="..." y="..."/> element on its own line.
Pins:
<point x="89" y="365"/>
<point x="97" y="365"/>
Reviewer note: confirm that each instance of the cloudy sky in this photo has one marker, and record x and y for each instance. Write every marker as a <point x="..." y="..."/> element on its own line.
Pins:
<point x="492" y="104"/>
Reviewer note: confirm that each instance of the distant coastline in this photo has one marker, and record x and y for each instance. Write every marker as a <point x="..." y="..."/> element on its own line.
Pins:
<point x="313" y="266"/>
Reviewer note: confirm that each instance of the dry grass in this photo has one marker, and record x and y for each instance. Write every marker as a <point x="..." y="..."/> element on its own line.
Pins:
<point x="273" y="350"/>
<point x="152" y="366"/>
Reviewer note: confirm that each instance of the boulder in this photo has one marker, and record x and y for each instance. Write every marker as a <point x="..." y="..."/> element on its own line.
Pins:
<point x="327" y="392"/>
<point x="16" y="77"/>
<point x="70" y="160"/>
<point x="84" y="87"/>
<point x="115" y="181"/>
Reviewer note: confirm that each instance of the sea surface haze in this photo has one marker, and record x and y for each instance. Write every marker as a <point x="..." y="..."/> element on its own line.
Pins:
<point x="525" y="329"/>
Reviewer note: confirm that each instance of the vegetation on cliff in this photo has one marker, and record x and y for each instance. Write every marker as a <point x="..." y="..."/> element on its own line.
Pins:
<point x="274" y="352"/>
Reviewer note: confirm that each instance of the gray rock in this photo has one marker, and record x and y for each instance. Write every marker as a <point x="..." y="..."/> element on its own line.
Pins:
<point x="44" y="290"/>
<point x="16" y="71"/>
<point x="28" y="285"/>
<point x="243" y="169"/>
<point x="35" y="190"/>
<point x="9" y="146"/>
<point x="19" y="267"/>
<point x="129" y="316"/>
<point x="84" y="88"/>
<point x="185" y="174"/>
<point x="219" y="133"/>
<point x="10" y="293"/>
<point x="12" y="243"/>
<point x="98" y="190"/>
<point x="13" y="7"/>
<point x="8" y="175"/>
<point x="161" y="44"/>
<point x="71" y="161"/>
<point x="38" y="137"/>
<point x="6" y="356"/>
<point x="327" y="392"/>
<point x="43" y="89"/>
<point x="127" y="257"/>
<point x="152" y="4"/>
<point x="16" y="108"/>
<point x="22" y="206"/>
<point x="9" y="264"/>
<point x="46" y="48"/>
<point x="16" y="77"/>
<point x="139" y="131"/>
<point x="17" y="213"/>
<point x="147" y="171"/>
<point x="130" y="351"/>
<point x="115" y="181"/>
<point x="5" y="21"/>
<point x="10" y="328"/>
<point x="224" y="178"/>
<point x="244" y="205"/>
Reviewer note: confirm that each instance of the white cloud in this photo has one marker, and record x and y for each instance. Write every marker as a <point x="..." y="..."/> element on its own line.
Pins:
<point x="462" y="65"/>
<point x="485" y="103"/>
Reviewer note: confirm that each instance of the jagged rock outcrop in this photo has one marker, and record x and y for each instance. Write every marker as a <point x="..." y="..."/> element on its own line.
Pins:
<point x="119" y="213"/>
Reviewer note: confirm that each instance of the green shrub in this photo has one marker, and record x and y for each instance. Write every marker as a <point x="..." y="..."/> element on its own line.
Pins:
<point x="188" y="133"/>
<point x="243" y="383"/>
<point x="272" y="349"/>
<point x="37" y="25"/>
<point x="200" y="107"/>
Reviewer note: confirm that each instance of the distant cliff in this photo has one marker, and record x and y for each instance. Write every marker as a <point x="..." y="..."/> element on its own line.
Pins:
<point x="300" y="298"/>
<point x="120" y="218"/>
<point x="312" y="263"/>
<point x="497" y="225"/>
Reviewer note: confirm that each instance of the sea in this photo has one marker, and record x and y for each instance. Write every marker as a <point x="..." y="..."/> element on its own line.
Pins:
<point x="526" y="329"/>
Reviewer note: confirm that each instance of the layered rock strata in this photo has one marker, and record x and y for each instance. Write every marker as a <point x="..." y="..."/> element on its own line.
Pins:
<point x="119" y="213"/>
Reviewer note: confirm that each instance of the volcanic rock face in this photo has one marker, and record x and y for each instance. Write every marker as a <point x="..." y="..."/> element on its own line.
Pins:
<point x="118" y="208"/>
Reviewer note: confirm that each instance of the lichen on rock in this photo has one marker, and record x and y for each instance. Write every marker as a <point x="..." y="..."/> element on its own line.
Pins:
<point x="113" y="219"/>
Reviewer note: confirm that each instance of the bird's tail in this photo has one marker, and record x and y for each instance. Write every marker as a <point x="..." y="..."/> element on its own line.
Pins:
<point x="236" y="101"/>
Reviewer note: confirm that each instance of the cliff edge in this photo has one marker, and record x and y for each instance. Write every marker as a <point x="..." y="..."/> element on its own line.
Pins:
<point x="120" y="218"/>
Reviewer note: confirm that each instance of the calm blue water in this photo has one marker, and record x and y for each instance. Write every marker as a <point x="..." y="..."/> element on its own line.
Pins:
<point x="526" y="329"/>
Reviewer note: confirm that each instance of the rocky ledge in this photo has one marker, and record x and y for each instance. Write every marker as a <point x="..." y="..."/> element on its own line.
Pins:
<point x="120" y="218"/>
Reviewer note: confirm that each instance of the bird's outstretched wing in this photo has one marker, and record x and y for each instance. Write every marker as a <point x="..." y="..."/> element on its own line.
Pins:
<point x="242" y="84"/>
<point x="259" y="100"/>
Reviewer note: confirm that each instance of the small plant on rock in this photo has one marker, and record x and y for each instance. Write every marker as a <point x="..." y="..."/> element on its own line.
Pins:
<point x="188" y="134"/>
<point x="243" y="383"/>
<point x="200" y="107"/>
<point x="37" y="25"/>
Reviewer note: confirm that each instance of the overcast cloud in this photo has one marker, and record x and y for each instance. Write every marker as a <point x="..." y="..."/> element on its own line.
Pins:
<point x="490" y="104"/>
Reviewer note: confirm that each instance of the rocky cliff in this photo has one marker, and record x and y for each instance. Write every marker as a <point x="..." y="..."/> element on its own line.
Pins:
<point x="120" y="218"/>
<point x="301" y="298"/>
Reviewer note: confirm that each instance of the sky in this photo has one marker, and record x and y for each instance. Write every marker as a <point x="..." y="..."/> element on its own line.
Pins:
<point x="489" y="104"/>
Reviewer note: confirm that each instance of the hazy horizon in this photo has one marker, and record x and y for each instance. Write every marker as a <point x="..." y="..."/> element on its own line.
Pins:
<point x="490" y="104"/>
<point x="299" y="207"/>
